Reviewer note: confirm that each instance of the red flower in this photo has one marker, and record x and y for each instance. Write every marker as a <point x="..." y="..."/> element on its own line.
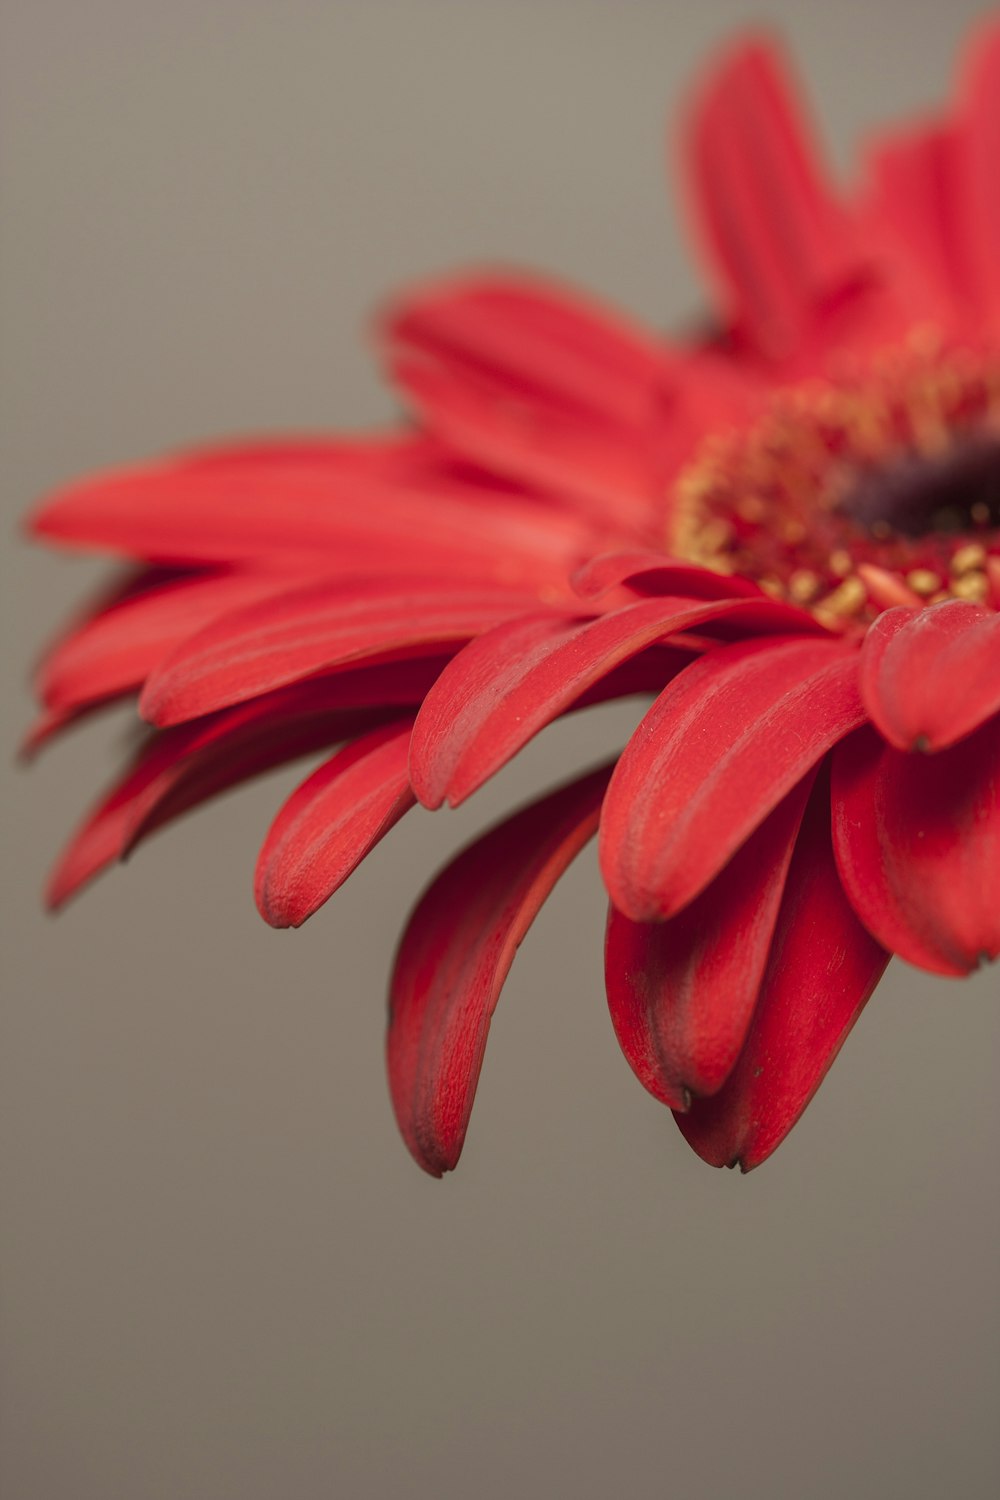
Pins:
<point x="789" y="531"/>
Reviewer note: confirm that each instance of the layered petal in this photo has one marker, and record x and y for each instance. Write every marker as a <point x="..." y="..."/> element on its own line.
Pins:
<point x="930" y="676"/>
<point x="313" y="629"/>
<point x="722" y="745"/>
<point x="331" y="822"/>
<point x="782" y="244"/>
<point x="455" y="955"/>
<point x="682" y="993"/>
<point x="509" y="683"/>
<point x="917" y="839"/>
<point x="822" y="968"/>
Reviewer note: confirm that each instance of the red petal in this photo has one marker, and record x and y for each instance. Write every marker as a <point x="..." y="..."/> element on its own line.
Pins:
<point x="721" y="746"/>
<point x="507" y="685"/>
<point x="930" y="676"/>
<point x="113" y="651"/>
<point x="780" y="239"/>
<point x="331" y="822"/>
<point x="653" y="573"/>
<point x="918" y="844"/>
<point x="682" y="993"/>
<point x="286" y="638"/>
<point x="188" y="764"/>
<point x="455" y="955"/>
<point x="821" y="971"/>
<point x="978" y="155"/>
<point x="276" y="515"/>
<point x="537" y="341"/>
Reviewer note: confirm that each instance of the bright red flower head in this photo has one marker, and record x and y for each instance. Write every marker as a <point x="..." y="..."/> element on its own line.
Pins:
<point x="786" y="533"/>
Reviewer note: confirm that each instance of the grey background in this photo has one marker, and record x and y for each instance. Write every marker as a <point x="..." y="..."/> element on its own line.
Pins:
<point x="222" y="1276"/>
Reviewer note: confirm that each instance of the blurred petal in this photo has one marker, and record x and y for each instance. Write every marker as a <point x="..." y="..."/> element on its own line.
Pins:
<point x="455" y="956"/>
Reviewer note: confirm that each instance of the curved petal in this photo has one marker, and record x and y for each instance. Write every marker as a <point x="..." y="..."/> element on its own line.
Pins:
<point x="331" y="822"/>
<point x="917" y="839"/>
<point x="654" y="573"/>
<point x="781" y="242"/>
<point x="725" y="741"/>
<point x="930" y="676"/>
<point x="181" y="767"/>
<point x="511" y="682"/>
<point x="455" y="955"/>
<point x="822" y="969"/>
<point x="978" y="151"/>
<point x="285" y="638"/>
<point x="682" y="993"/>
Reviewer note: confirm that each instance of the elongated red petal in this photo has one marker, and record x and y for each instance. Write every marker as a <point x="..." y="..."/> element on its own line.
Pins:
<point x="114" y="650"/>
<point x="682" y="993"/>
<point x="725" y="741"/>
<point x="455" y="955"/>
<point x="917" y="839"/>
<point x="284" y="639"/>
<point x="186" y="765"/>
<point x="977" y="153"/>
<point x="822" y="968"/>
<point x="930" y="676"/>
<point x="781" y="241"/>
<point x="331" y="822"/>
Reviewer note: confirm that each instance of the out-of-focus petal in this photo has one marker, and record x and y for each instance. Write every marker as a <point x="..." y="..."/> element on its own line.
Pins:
<point x="917" y="839"/>
<point x="455" y="956"/>
<point x="312" y="629"/>
<point x="977" y="158"/>
<point x="331" y="822"/>
<point x="682" y="993"/>
<point x="780" y="241"/>
<point x="653" y="573"/>
<point x="930" y="676"/>
<point x="725" y="741"/>
<point x="822" y="968"/>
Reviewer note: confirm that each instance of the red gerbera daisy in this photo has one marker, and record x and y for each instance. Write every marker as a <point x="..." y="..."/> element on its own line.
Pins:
<point x="788" y="530"/>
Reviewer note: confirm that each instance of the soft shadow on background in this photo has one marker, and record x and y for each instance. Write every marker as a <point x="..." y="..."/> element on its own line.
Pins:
<point x="222" y="1275"/>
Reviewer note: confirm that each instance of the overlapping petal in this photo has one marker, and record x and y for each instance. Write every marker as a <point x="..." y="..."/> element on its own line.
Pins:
<point x="918" y="846"/>
<point x="719" y="749"/>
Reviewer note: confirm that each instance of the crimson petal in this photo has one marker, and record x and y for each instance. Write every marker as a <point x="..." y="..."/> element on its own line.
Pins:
<point x="283" y="639"/>
<point x="455" y="955"/>
<point x="331" y="822"/>
<point x="918" y="845"/>
<point x="682" y="993"/>
<point x="930" y="676"/>
<point x="511" y="682"/>
<point x="822" y="968"/>
<point x="725" y="741"/>
<point x="780" y="239"/>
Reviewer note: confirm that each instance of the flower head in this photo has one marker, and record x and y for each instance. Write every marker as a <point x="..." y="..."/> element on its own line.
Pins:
<point x="787" y="533"/>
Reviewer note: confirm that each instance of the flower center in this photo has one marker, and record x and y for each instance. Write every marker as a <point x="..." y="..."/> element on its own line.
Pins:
<point x="848" y="496"/>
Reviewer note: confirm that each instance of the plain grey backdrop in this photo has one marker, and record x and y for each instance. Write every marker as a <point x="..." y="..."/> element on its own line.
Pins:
<point x="223" y="1278"/>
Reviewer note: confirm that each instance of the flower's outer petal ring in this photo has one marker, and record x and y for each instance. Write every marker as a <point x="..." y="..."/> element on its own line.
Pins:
<point x="682" y="993"/>
<point x="455" y="955"/>
<point x="930" y="676"/>
<point x="977" y="152"/>
<point x="725" y="741"/>
<point x="331" y="822"/>
<point x="917" y="839"/>
<point x="184" y="766"/>
<point x="822" y="968"/>
<point x="318" y="628"/>
<point x="514" y="680"/>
